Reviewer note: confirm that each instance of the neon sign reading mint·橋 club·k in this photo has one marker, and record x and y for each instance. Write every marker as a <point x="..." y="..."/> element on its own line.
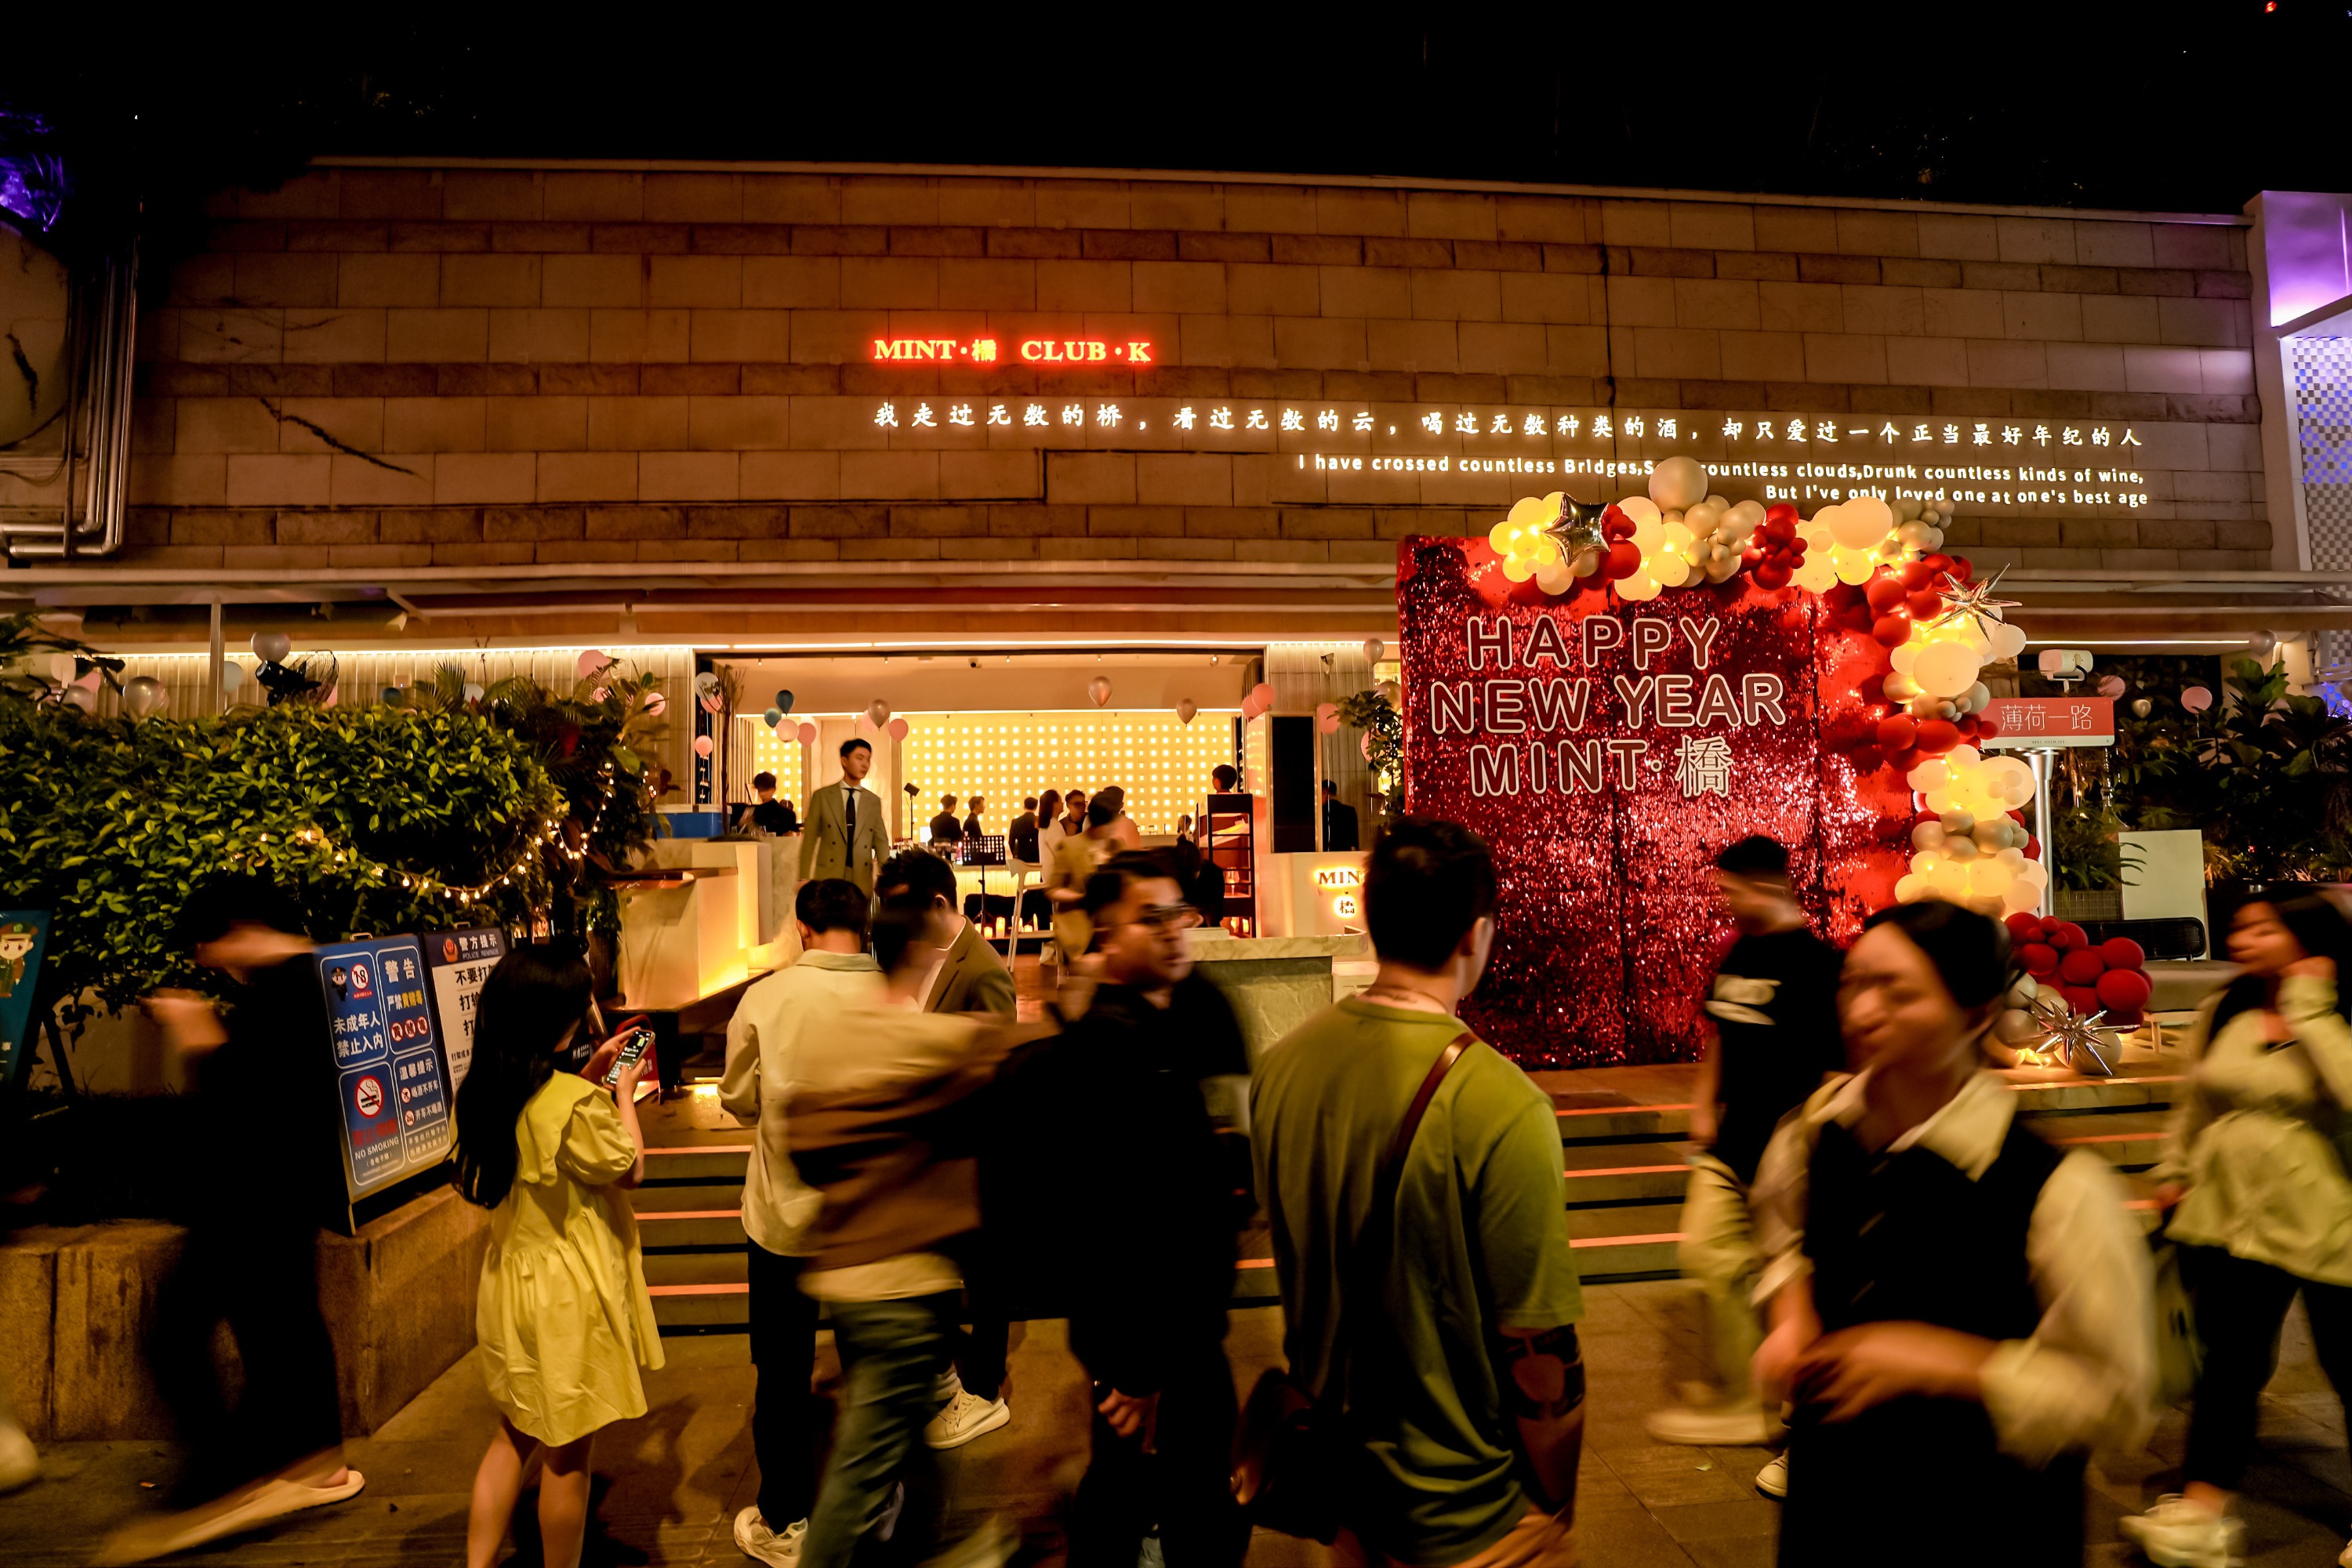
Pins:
<point x="1106" y="353"/>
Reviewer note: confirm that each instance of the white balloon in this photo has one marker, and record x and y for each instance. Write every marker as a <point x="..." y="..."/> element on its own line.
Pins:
<point x="1640" y="510"/>
<point x="1945" y="669"/>
<point x="1677" y="481"/>
<point x="1927" y="836"/>
<point x="232" y="677"/>
<point x="1960" y="850"/>
<point x="143" y="695"/>
<point x="272" y="647"/>
<point x="1901" y="688"/>
<point x="1748" y="514"/>
<point x="1640" y="586"/>
<point x="1374" y="649"/>
<point x="1861" y="522"/>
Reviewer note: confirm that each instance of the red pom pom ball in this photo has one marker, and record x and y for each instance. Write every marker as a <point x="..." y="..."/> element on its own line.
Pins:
<point x="2124" y="990"/>
<point x="2122" y="952"/>
<point x="2082" y="966"/>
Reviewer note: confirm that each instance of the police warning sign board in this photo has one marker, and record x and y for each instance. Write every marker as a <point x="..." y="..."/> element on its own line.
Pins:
<point x="392" y="1079"/>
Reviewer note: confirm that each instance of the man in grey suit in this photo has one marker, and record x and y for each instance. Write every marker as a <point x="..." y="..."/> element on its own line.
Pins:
<point x="842" y="833"/>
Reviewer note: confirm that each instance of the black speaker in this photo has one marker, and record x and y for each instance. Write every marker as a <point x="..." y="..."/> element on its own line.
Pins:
<point x="2178" y="937"/>
<point x="1290" y="755"/>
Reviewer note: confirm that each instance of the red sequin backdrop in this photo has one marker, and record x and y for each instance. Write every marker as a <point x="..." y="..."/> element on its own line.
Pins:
<point x="1610" y="923"/>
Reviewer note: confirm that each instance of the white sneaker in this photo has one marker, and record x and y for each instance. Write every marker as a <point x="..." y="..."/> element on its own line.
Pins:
<point x="2178" y="1534"/>
<point x="20" y="1462"/>
<point x="1715" y="1426"/>
<point x="1772" y="1480"/>
<point x="944" y="1391"/>
<point x="967" y="1417"/>
<point x="756" y="1540"/>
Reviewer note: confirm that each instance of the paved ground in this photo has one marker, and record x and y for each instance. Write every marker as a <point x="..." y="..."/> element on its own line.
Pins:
<point x="672" y="1480"/>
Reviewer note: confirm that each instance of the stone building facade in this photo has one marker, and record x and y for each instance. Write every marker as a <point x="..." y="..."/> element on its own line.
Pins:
<point x="527" y="370"/>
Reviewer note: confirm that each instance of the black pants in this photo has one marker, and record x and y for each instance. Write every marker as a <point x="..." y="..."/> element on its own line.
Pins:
<point x="262" y="1280"/>
<point x="980" y="1353"/>
<point x="2241" y="1307"/>
<point x="1184" y="1487"/>
<point x="784" y="1417"/>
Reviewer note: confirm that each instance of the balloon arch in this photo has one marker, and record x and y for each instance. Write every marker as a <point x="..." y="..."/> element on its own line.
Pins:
<point x="1611" y="692"/>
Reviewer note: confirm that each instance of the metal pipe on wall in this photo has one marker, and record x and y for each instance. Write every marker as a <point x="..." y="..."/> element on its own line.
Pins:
<point x="97" y="422"/>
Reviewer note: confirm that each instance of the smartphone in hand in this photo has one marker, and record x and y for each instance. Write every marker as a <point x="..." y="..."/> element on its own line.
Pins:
<point x="638" y="1047"/>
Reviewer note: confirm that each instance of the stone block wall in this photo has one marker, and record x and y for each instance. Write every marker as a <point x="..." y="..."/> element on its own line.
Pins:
<point x="513" y="369"/>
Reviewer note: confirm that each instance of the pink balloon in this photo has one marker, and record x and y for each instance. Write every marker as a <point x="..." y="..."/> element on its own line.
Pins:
<point x="655" y="705"/>
<point x="334" y="694"/>
<point x="591" y="661"/>
<point x="1327" y="724"/>
<point x="702" y="746"/>
<point x="808" y="734"/>
<point x="1263" y="693"/>
<point x="1364" y="745"/>
<point x="897" y="728"/>
<point x="2111" y="685"/>
<point x="2196" y="699"/>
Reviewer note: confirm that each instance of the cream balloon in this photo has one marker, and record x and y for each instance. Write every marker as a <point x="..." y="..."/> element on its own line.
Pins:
<point x="1639" y="587"/>
<point x="1670" y="570"/>
<point x="1748" y="514"/>
<point x="272" y="648"/>
<point x="1677" y="482"/>
<point x="1099" y="690"/>
<point x="1910" y="889"/>
<point x="1927" y="836"/>
<point x="1556" y="576"/>
<point x="1639" y="510"/>
<point x="1927" y="776"/>
<point x="1944" y="668"/>
<point x="1854" y="568"/>
<point x="143" y="695"/>
<point x="1185" y="710"/>
<point x="1901" y="688"/>
<point x="1905" y="658"/>
<point x="1374" y="649"/>
<point x="879" y="711"/>
<point x="1861" y="522"/>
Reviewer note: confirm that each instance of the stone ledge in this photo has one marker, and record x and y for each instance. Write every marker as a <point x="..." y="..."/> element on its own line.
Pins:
<point x="78" y="1302"/>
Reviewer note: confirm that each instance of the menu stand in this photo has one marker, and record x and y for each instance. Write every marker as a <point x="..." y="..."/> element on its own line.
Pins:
<point x="984" y="850"/>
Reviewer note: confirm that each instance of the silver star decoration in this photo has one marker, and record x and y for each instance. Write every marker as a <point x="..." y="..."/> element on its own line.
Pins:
<point x="1973" y="599"/>
<point x="1578" y="532"/>
<point x="2076" y="1037"/>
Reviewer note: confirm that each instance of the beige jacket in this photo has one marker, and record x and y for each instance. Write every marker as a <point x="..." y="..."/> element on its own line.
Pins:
<point x="2252" y="1138"/>
<point x="826" y="847"/>
<point x="778" y="1024"/>
<point x="2085" y="1377"/>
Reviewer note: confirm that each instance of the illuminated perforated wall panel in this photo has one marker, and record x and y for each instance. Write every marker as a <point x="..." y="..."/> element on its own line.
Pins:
<point x="1162" y="764"/>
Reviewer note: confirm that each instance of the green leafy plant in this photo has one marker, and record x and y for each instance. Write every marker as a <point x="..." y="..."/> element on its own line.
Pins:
<point x="2265" y="775"/>
<point x="1372" y="713"/>
<point x="374" y="819"/>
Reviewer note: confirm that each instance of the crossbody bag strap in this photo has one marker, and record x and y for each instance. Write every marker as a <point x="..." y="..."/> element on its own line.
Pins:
<point x="1369" y="1259"/>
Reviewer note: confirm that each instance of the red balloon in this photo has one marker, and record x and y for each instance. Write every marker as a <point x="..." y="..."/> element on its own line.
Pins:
<point x="1925" y="605"/>
<point x="2122" y="952"/>
<point x="1872" y="689"/>
<point x="1987" y="728"/>
<point x="2066" y="935"/>
<point x="2039" y="958"/>
<point x="1884" y="594"/>
<point x="1779" y="529"/>
<point x="2081" y="998"/>
<point x="2125" y="1018"/>
<point x="1904" y="761"/>
<point x="1937" y="736"/>
<point x="1964" y="568"/>
<point x="1867" y="758"/>
<point x="1780" y="511"/>
<point x="1615" y="524"/>
<point x="1937" y="563"/>
<point x="1897" y="732"/>
<point x="1915" y="575"/>
<point x="2124" y="990"/>
<point x="1751" y="553"/>
<point x="2022" y="927"/>
<point x="1624" y="560"/>
<point x="2082" y="966"/>
<point x="2032" y="847"/>
<point x="1771" y="574"/>
<point x="1892" y="630"/>
<point x="1969" y="728"/>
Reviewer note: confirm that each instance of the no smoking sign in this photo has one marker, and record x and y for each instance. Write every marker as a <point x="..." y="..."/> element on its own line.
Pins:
<point x="367" y="1097"/>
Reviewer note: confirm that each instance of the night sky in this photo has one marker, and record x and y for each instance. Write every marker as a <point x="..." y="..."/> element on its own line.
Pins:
<point x="2179" y="108"/>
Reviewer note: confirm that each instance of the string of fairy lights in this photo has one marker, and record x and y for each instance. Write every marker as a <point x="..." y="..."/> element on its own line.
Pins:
<point x="549" y="834"/>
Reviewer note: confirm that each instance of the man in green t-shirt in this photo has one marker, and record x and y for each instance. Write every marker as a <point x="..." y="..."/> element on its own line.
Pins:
<point x="1464" y="1375"/>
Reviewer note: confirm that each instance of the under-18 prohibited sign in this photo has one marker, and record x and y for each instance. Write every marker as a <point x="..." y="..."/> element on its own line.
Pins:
<point x="394" y="1086"/>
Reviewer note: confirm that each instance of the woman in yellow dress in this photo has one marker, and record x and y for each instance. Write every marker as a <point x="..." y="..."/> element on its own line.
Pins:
<point x="563" y="1314"/>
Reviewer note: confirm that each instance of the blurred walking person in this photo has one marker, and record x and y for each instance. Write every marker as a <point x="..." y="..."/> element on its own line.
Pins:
<point x="1429" y="1296"/>
<point x="765" y="1041"/>
<point x="1959" y="1313"/>
<point x="1771" y="1037"/>
<point x="2253" y="1171"/>
<point x="966" y="976"/>
<point x="562" y="1315"/>
<point x="1151" y="1213"/>
<point x="872" y="1119"/>
<point x="251" y="1256"/>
